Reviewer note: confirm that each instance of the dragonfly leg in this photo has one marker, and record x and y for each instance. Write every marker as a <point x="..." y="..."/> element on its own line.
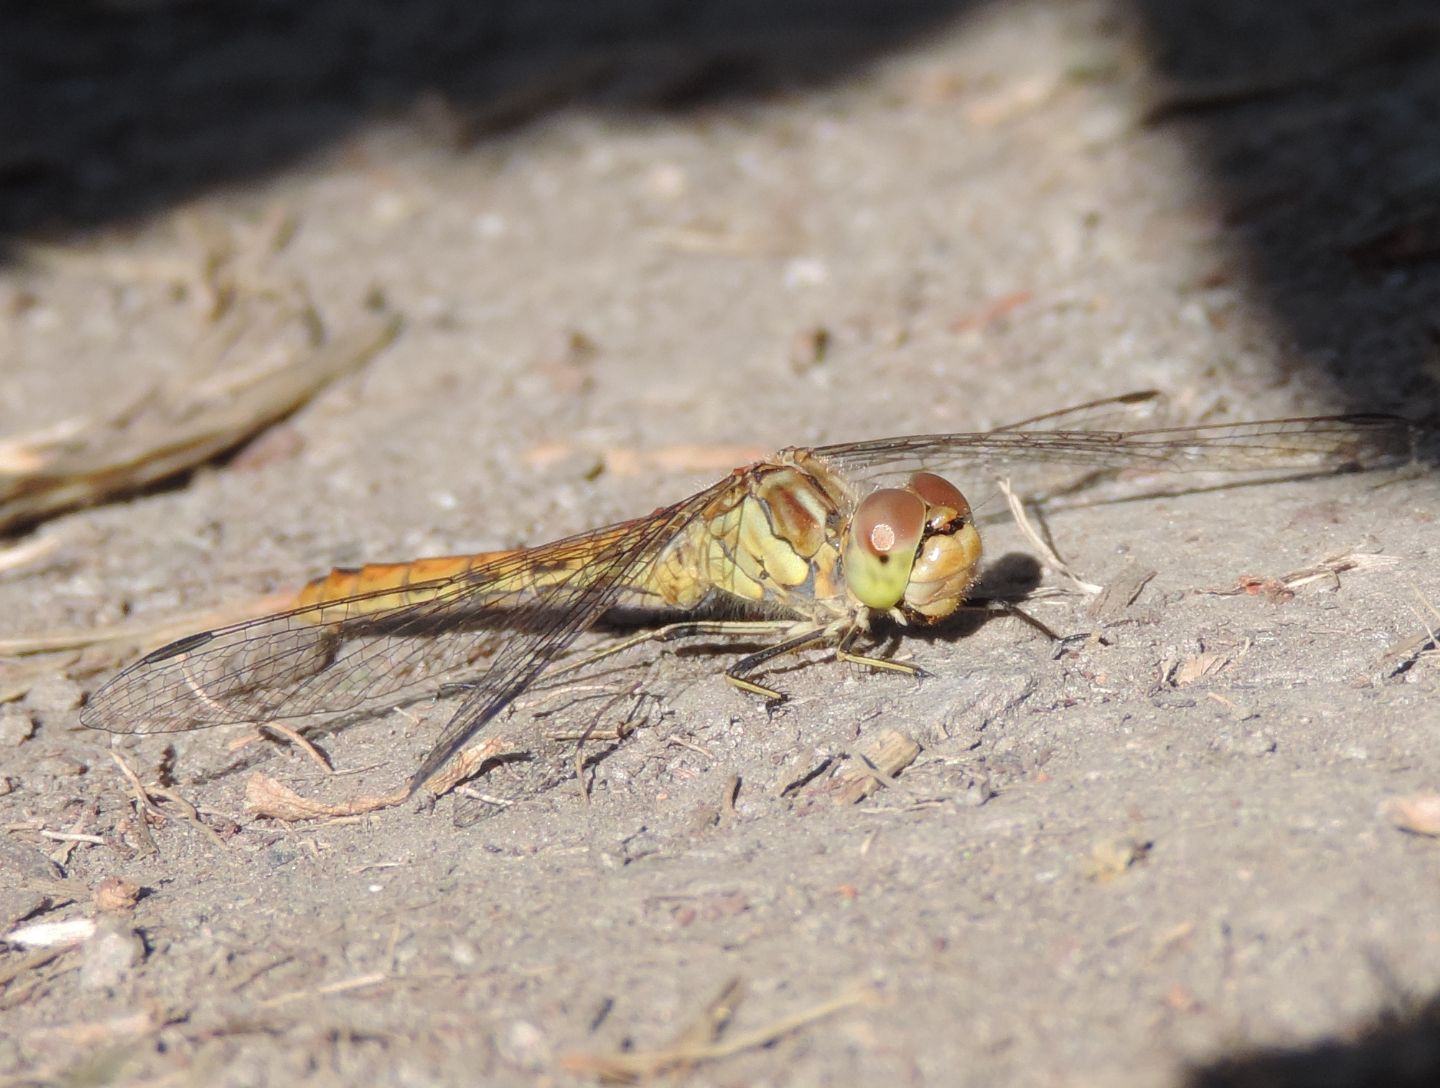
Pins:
<point x="684" y="629"/>
<point x="1014" y="611"/>
<point x="736" y="672"/>
<point x="666" y="633"/>
<point x="844" y="653"/>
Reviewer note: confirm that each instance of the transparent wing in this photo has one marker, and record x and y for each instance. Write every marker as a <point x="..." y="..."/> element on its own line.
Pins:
<point x="346" y="654"/>
<point x="550" y="625"/>
<point x="1321" y="443"/>
<point x="1126" y="412"/>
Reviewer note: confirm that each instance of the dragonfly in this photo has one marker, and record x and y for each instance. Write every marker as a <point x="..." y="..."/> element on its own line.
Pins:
<point x="810" y="547"/>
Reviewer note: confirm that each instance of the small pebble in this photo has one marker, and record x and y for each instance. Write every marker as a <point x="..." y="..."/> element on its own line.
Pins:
<point x="116" y="894"/>
<point x="109" y="955"/>
<point x="16" y="725"/>
<point x="524" y="1045"/>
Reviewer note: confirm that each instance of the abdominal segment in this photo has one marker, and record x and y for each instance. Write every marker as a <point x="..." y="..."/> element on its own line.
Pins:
<point x="462" y="586"/>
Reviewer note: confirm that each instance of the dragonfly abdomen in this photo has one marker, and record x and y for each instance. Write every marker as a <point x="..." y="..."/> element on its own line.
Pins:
<point x="379" y="587"/>
<point x="499" y="579"/>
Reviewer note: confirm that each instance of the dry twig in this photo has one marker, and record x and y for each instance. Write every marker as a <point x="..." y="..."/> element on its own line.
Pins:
<point x="183" y="424"/>
<point x="703" y="1042"/>
<point x="882" y="758"/>
<point x="1048" y="553"/>
<point x="267" y="798"/>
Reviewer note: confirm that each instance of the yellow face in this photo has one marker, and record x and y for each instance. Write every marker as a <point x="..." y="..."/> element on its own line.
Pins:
<point x="914" y="549"/>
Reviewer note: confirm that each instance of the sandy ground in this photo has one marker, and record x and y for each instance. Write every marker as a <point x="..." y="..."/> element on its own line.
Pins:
<point x="629" y="256"/>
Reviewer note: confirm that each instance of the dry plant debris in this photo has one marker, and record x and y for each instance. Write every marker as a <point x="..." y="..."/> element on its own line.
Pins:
<point x="182" y="424"/>
<point x="1111" y="858"/>
<point x="146" y="805"/>
<point x="1326" y="573"/>
<point x="1198" y="667"/>
<point x="1040" y="544"/>
<point x="1419" y="814"/>
<point x="1402" y="655"/>
<point x="704" y="1041"/>
<point x="262" y="351"/>
<point x="882" y="758"/>
<point x="269" y="799"/>
<point x="62" y="934"/>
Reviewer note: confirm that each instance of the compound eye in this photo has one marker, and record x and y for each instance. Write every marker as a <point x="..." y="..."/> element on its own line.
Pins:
<point x="880" y="548"/>
<point x="889" y="521"/>
<point x="944" y="499"/>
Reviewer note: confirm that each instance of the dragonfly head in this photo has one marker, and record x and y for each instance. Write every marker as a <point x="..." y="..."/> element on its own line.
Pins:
<point x="913" y="548"/>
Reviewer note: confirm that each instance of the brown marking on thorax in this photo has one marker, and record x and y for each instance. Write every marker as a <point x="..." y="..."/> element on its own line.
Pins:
<point x="773" y="539"/>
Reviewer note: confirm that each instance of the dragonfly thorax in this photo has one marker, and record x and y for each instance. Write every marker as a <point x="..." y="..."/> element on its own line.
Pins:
<point x="913" y="550"/>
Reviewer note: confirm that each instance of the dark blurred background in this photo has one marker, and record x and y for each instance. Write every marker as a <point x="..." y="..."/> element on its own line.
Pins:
<point x="1317" y="121"/>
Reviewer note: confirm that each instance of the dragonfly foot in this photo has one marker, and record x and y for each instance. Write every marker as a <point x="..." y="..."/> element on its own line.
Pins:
<point x="770" y="695"/>
<point x="881" y="663"/>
